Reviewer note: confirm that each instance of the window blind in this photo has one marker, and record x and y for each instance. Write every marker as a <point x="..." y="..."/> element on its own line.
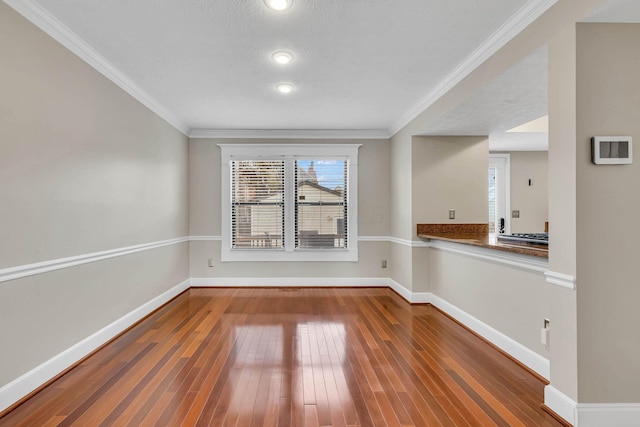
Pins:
<point x="257" y="204"/>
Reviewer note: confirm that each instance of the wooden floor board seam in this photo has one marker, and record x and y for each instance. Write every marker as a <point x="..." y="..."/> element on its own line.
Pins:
<point x="305" y="357"/>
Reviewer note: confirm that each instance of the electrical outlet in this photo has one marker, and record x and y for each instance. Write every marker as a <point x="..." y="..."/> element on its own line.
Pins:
<point x="452" y="214"/>
<point x="515" y="214"/>
<point x="545" y="333"/>
<point x="210" y="262"/>
<point x="383" y="264"/>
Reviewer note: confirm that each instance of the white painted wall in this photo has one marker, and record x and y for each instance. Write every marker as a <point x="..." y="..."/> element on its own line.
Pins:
<point x="83" y="168"/>
<point x="607" y="202"/>
<point x="555" y="27"/>
<point x="449" y="172"/>
<point x="205" y="214"/>
<point x="509" y="299"/>
<point x="531" y="200"/>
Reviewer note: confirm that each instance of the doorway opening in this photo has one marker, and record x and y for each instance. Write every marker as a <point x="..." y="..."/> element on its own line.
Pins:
<point x="499" y="203"/>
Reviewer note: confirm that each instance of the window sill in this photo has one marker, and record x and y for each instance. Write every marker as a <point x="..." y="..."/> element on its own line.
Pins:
<point x="300" y="255"/>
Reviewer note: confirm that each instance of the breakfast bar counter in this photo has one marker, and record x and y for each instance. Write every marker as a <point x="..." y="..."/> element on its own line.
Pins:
<point x="478" y="235"/>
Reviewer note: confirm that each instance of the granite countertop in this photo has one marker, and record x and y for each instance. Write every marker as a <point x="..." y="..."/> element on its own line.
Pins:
<point x="477" y="235"/>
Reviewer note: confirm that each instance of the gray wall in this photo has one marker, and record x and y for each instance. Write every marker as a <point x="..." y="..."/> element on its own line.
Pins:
<point x="530" y="200"/>
<point x="449" y="172"/>
<point x="608" y="199"/>
<point x="205" y="215"/>
<point x="556" y="27"/>
<point x="83" y="168"/>
<point x="511" y="300"/>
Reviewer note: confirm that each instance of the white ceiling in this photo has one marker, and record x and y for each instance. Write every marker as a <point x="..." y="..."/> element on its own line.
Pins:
<point x="361" y="66"/>
<point x="516" y="97"/>
<point x="617" y="11"/>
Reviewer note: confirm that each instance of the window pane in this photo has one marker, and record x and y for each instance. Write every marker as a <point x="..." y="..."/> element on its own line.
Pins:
<point x="492" y="200"/>
<point x="321" y="207"/>
<point x="257" y="193"/>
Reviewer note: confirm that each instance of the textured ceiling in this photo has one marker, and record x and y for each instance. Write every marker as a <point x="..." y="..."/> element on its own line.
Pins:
<point x="359" y="64"/>
<point x="516" y="97"/>
<point x="617" y="11"/>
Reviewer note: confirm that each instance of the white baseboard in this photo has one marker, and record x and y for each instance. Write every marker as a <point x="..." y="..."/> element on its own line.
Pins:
<point x="304" y="282"/>
<point x="526" y="356"/>
<point x="338" y="282"/>
<point x="608" y="414"/>
<point x="412" y="297"/>
<point x="591" y="414"/>
<point x="560" y="403"/>
<point x="29" y="382"/>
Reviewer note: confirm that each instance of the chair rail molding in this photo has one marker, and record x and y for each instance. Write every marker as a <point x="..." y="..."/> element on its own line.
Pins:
<point x="561" y="279"/>
<point x="21" y="271"/>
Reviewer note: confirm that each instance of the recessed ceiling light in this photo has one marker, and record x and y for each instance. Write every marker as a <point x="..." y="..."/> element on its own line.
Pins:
<point x="284" y="87"/>
<point x="278" y="4"/>
<point x="282" y="57"/>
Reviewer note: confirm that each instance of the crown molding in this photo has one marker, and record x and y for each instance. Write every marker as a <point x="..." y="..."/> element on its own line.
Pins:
<point x="290" y="133"/>
<point x="507" y="31"/>
<point x="42" y="19"/>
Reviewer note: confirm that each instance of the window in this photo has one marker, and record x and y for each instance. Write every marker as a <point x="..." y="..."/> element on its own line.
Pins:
<point x="499" y="220"/>
<point x="257" y="204"/>
<point x="289" y="202"/>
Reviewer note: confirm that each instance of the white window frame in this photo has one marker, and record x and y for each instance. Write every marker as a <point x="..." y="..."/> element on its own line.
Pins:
<point x="290" y="153"/>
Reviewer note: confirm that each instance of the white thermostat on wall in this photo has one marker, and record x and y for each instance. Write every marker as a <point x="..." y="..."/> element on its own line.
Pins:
<point x="611" y="150"/>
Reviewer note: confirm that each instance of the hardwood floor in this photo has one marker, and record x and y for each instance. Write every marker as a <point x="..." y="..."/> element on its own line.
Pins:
<point x="292" y="357"/>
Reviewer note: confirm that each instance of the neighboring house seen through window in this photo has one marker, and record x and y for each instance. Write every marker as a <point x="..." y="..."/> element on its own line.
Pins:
<point x="289" y="202"/>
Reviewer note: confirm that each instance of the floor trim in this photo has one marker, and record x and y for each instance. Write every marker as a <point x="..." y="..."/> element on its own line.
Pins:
<point x="591" y="414"/>
<point x="304" y="282"/>
<point x="608" y="414"/>
<point x="513" y="348"/>
<point x="24" y="386"/>
<point x="409" y="296"/>
<point x="560" y="403"/>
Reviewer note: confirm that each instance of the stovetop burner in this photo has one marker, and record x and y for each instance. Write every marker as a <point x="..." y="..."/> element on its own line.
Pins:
<point x="538" y="238"/>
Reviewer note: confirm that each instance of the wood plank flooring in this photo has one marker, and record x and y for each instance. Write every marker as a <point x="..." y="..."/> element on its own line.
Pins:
<point x="291" y="357"/>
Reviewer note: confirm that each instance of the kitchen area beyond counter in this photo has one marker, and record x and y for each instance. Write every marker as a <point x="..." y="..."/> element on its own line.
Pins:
<point x="478" y="235"/>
